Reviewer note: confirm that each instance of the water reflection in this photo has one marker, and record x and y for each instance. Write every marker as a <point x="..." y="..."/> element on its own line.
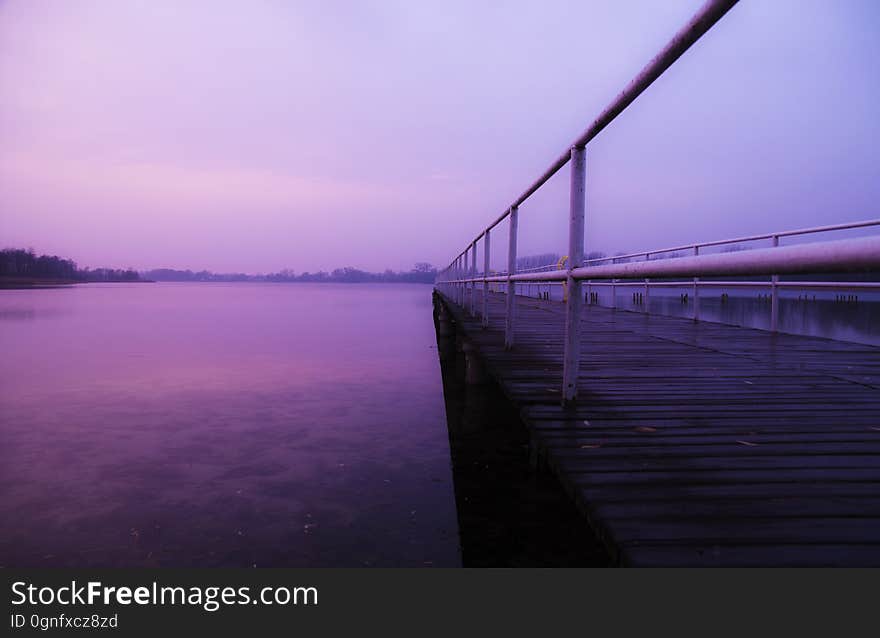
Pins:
<point x="223" y="425"/>
<point x="29" y="314"/>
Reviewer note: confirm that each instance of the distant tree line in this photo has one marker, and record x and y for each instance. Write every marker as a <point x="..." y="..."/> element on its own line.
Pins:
<point x="26" y="264"/>
<point x="537" y="261"/>
<point x="421" y="273"/>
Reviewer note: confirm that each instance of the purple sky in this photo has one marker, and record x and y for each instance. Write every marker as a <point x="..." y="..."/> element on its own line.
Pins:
<point x="254" y="136"/>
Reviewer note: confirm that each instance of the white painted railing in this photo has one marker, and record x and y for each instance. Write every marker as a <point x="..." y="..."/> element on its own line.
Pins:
<point x="459" y="280"/>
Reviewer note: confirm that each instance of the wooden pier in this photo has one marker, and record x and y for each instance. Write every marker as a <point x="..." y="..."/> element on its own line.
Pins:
<point x="696" y="443"/>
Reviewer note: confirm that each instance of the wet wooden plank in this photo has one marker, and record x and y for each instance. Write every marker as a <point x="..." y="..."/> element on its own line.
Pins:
<point x="756" y="555"/>
<point x="700" y="443"/>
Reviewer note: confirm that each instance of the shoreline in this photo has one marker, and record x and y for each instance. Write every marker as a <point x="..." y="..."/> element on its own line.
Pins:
<point x="25" y="283"/>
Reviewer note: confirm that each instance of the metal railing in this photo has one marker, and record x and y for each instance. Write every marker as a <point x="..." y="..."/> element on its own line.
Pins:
<point x="459" y="279"/>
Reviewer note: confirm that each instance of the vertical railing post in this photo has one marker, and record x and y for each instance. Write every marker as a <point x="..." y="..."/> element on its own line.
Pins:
<point x="459" y="296"/>
<point x="450" y="275"/>
<point x="613" y="289"/>
<point x="696" y="289"/>
<point x="577" y="198"/>
<point x="774" y="295"/>
<point x="485" y="283"/>
<point x="464" y="286"/>
<point x="453" y="275"/>
<point x="473" y="275"/>
<point x="460" y="277"/>
<point x="511" y="285"/>
<point x="453" y="288"/>
<point x="461" y="285"/>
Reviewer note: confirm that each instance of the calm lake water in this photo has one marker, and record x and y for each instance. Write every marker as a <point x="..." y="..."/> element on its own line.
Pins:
<point x="223" y="424"/>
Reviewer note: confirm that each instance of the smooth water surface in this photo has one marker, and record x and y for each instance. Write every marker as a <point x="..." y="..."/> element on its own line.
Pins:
<point x="223" y="424"/>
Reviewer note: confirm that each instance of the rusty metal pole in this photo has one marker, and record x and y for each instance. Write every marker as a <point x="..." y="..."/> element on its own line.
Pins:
<point x="577" y="199"/>
<point x="511" y="285"/>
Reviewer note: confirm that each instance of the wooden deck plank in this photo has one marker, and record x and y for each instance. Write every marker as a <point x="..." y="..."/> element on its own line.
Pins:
<point x="756" y="555"/>
<point x="695" y="443"/>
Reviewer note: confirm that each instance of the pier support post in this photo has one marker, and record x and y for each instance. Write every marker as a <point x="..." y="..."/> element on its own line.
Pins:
<point x="486" y="244"/>
<point x="445" y="334"/>
<point x="572" y="355"/>
<point x="444" y="323"/>
<point x="474" y="372"/>
<point x="511" y="285"/>
<point x="460" y="357"/>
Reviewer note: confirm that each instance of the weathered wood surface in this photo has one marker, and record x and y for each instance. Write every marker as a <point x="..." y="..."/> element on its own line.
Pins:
<point x="696" y="443"/>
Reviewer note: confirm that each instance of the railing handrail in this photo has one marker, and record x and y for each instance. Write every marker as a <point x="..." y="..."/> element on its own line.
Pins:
<point x="842" y="255"/>
<point x="699" y="24"/>
<point x="460" y="277"/>
<point x="717" y="242"/>
<point x="712" y="283"/>
<point x="739" y="240"/>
